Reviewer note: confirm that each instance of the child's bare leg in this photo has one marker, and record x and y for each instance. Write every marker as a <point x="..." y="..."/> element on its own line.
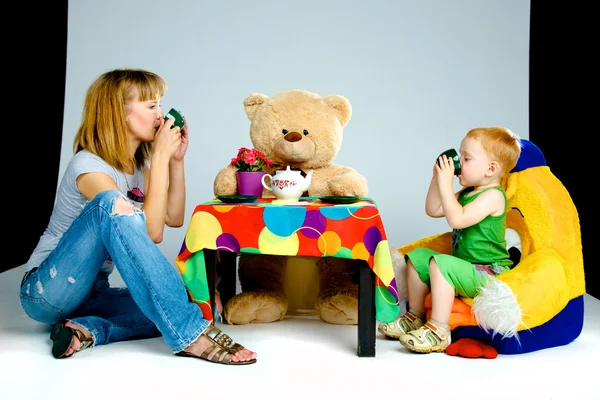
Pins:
<point x="416" y="290"/>
<point x="435" y="334"/>
<point x="442" y="295"/>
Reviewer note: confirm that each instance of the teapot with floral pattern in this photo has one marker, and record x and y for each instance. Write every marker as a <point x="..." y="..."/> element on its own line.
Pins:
<point x="288" y="184"/>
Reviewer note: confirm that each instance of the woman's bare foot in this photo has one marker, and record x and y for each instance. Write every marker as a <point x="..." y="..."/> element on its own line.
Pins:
<point x="203" y="342"/>
<point x="76" y="345"/>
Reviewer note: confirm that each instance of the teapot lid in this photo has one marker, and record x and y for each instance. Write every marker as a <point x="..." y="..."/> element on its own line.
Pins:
<point x="288" y="169"/>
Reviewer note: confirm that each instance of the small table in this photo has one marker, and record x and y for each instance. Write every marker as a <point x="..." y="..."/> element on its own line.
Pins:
<point x="308" y="227"/>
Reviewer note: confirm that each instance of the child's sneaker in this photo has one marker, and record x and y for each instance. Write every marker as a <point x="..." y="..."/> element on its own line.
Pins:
<point x="426" y="339"/>
<point x="401" y="325"/>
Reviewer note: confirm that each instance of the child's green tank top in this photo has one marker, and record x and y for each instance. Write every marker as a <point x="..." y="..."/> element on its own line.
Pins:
<point x="482" y="243"/>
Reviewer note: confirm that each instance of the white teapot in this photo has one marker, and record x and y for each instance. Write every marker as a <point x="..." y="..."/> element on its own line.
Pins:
<point x="288" y="184"/>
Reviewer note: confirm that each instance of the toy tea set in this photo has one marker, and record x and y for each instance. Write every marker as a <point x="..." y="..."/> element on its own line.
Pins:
<point x="288" y="186"/>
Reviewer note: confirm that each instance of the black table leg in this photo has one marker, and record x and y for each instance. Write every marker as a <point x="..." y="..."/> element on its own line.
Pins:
<point x="210" y="260"/>
<point x="226" y="270"/>
<point x="366" y="310"/>
<point x="222" y="263"/>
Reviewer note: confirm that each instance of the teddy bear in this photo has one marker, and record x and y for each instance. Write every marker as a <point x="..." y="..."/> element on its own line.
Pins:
<point x="302" y="130"/>
<point x="538" y="303"/>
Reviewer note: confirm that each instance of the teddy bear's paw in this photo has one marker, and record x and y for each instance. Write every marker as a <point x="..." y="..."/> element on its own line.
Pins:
<point x="339" y="309"/>
<point x="256" y="307"/>
<point x="226" y="182"/>
<point x="349" y="183"/>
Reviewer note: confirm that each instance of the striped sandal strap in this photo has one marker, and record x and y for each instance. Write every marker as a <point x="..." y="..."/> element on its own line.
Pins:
<point x="426" y="339"/>
<point x="430" y="334"/>
<point x="409" y="322"/>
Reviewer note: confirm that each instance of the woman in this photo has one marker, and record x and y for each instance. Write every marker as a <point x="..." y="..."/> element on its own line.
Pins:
<point x="123" y="146"/>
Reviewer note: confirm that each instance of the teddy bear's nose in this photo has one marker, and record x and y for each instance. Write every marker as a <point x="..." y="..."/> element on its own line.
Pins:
<point x="293" y="137"/>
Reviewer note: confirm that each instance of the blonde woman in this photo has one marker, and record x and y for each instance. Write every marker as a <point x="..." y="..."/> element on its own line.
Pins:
<point x="122" y="186"/>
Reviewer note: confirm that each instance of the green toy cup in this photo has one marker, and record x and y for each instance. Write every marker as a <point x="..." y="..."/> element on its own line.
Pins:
<point x="451" y="153"/>
<point x="173" y="113"/>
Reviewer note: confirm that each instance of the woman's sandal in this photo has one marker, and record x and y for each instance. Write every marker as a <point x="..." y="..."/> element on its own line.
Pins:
<point x="63" y="337"/>
<point x="220" y="351"/>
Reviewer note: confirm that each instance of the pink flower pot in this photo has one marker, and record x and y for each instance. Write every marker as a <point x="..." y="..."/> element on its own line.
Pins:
<point x="250" y="183"/>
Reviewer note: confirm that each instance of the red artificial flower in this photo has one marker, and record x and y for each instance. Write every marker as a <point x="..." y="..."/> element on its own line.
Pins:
<point x="251" y="160"/>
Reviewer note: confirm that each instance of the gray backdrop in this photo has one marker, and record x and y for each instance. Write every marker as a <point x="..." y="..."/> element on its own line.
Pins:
<point x="419" y="75"/>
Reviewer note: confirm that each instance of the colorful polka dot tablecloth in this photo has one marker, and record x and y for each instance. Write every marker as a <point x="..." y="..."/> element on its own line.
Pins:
<point x="307" y="227"/>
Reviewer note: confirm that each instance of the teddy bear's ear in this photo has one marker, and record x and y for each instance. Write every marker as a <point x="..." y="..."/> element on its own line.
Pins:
<point x="252" y="102"/>
<point x="342" y="107"/>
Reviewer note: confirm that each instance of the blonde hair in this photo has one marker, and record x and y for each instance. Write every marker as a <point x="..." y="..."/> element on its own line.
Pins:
<point x="103" y="130"/>
<point x="501" y="144"/>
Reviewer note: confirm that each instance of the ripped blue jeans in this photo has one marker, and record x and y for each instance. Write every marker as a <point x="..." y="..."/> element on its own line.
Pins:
<point x="69" y="284"/>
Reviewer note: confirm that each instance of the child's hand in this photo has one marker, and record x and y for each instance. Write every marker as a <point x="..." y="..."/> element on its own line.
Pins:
<point x="435" y="167"/>
<point x="444" y="171"/>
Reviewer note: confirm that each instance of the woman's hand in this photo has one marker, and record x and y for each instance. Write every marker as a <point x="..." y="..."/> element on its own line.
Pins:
<point x="183" y="145"/>
<point x="168" y="140"/>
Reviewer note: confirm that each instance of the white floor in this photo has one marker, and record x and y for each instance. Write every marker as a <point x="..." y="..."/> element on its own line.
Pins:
<point x="299" y="358"/>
